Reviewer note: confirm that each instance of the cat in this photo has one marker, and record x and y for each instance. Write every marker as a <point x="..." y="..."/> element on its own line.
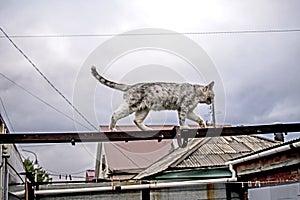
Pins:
<point x="140" y="98"/>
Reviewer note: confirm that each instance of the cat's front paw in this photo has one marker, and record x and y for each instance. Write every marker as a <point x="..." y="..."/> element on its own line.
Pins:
<point x="184" y="127"/>
<point x="113" y="129"/>
<point x="202" y="124"/>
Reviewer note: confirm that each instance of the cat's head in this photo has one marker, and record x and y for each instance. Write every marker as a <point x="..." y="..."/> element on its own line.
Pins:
<point x="207" y="95"/>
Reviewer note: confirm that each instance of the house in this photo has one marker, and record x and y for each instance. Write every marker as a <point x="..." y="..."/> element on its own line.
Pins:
<point x="124" y="160"/>
<point x="207" y="168"/>
<point x="204" y="153"/>
<point x="202" y="164"/>
<point x="199" y="171"/>
<point x="271" y="173"/>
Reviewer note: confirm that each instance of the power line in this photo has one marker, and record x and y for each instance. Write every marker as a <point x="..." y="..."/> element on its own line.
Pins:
<point x="38" y="146"/>
<point x="253" y="31"/>
<point x="6" y="115"/>
<point x="60" y="174"/>
<point x="70" y="176"/>
<point x="46" y="79"/>
<point x="17" y="173"/>
<point x="54" y="173"/>
<point x="71" y="173"/>
<point x="43" y="101"/>
<point x="131" y="160"/>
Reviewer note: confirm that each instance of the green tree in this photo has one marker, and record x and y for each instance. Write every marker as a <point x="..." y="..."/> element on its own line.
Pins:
<point x="43" y="176"/>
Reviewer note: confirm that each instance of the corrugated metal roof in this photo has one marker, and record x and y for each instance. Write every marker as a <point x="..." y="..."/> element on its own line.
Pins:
<point x="219" y="150"/>
<point x="208" y="152"/>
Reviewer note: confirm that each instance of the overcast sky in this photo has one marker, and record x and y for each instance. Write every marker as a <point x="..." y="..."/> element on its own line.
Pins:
<point x="259" y="71"/>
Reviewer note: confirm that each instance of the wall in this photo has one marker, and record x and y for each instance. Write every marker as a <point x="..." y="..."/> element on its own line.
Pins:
<point x="132" y="195"/>
<point x="278" y="168"/>
<point x="201" y="192"/>
<point x="286" y="191"/>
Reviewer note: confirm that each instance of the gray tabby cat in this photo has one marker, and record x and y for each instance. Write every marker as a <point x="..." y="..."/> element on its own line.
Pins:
<point x="143" y="97"/>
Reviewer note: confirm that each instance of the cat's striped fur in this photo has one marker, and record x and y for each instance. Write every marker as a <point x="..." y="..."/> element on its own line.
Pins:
<point x="140" y="98"/>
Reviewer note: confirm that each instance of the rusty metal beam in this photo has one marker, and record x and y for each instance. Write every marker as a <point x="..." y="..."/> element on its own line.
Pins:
<point x="146" y="135"/>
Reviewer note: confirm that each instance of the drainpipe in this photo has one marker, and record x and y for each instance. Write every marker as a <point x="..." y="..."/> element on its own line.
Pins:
<point x="134" y="187"/>
<point x="233" y="172"/>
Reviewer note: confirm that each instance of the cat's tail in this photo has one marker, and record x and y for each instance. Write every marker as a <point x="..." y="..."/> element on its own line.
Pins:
<point x="101" y="79"/>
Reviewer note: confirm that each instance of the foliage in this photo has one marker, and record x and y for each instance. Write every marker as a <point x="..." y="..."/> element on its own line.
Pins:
<point x="43" y="176"/>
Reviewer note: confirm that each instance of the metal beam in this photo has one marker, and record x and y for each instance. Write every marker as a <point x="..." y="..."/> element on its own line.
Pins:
<point x="159" y="135"/>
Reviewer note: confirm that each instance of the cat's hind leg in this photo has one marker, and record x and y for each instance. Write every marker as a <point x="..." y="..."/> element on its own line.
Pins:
<point x="140" y="115"/>
<point x="121" y="112"/>
<point x="182" y="115"/>
<point x="193" y="116"/>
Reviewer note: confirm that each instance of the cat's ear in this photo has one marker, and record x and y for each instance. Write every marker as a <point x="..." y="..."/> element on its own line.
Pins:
<point x="209" y="86"/>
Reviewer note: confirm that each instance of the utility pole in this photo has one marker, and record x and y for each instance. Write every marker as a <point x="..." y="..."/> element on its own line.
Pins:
<point x="1" y="174"/>
<point x="29" y="191"/>
<point x="5" y="180"/>
<point x="4" y="162"/>
<point x="5" y="156"/>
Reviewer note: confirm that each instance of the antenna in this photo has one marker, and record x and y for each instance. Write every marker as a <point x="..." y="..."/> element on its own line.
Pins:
<point x="213" y="114"/>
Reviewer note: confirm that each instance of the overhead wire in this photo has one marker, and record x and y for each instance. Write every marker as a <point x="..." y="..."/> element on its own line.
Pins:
<point x="66" y="175"/>
<point x="110" y="35"/>
<point x="17" y="173"/>
<point x="46" y="79"/>
<point x="72" y="173"/>
<point x="253" y="31"/>
<point x="37" y="145"/>
<point x="43" y="101"/>
<point x="55" y="173"/>
<point x="61" y="174"/>
<point x="131" y="160"/>
<point x="124" y="34"/>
